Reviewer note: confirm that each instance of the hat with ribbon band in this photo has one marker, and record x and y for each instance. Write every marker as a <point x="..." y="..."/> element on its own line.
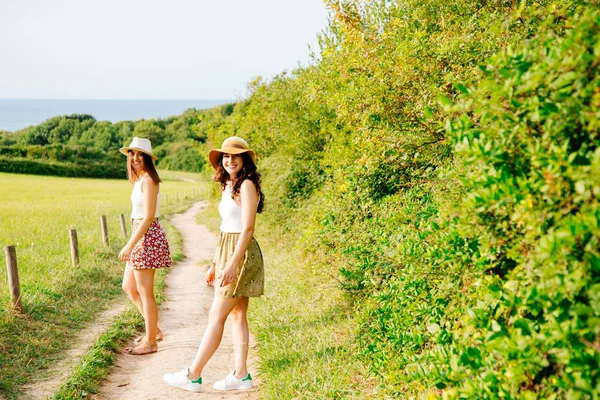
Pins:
<point x="231" y="145"/>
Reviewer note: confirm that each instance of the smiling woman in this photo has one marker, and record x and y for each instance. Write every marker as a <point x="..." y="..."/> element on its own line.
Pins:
<point x="59" y="300"/>
<point x="148" y="248"/>
<point x="237" y="269"/>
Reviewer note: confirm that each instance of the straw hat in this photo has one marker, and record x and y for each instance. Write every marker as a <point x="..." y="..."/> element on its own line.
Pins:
<point x="139" y="144"/>
<point x="232" y="145"/>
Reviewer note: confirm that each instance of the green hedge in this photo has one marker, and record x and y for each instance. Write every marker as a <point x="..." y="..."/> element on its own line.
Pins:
<point x="88" y="170"/>
<point x="59" y="152"/>
<point x="529" y="142"/>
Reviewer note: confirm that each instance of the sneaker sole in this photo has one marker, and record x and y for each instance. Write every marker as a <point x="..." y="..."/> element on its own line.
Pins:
<point x="230" y="389"/>
<point x="184" y="387"/>
<point x="188" y="389"/>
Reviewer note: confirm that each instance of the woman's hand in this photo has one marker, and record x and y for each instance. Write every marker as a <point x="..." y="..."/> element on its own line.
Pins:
<point x="210" y="275"/>
<point x="227" y="275"/>
<point x="125" y="253"/>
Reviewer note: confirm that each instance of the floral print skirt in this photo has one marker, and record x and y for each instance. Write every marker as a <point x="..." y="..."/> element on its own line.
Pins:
<point x="250" y="279"/>
<point x="152" y="250"/>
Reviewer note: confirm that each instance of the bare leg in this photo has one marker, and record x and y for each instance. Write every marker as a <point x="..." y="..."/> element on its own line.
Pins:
<point x="130" y="287"/>
<point x="241" y="336"/>
<point x="145" y="285"/>
<point x="213" y="334"/>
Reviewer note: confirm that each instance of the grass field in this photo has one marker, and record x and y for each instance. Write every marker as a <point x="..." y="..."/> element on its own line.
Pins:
<point x="36" y="214"/>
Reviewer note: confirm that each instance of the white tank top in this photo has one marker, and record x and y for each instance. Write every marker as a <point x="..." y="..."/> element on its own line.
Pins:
<point x="137" y="201"/>
<point x="231" y="213"/>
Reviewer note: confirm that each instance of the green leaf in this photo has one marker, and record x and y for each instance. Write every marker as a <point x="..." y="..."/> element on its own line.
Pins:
<point x="494" y="288"/>
<point x="564" y="80"/>
<point x="461" y="88"/>
<point x="428" y="112"/>
<point x="523" y="325"/>
<point x="594" y="294"/>
<point x="444" y="100"/>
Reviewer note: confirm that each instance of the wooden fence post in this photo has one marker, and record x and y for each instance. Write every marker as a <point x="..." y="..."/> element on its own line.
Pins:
<point x="104" y="229"/>
<point x="13" y="278"/>
<point x="194" y="193"/>
<point x="123" y="226"/>
<point x="166" y="199"/>
<point x="185" y="194"/>
<point x="74" y="247"/>
<point x="176" y="196"/>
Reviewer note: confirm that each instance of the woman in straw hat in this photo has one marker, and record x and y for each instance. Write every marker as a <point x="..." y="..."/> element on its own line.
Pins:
<point x="147" y="249"/>
<point x="237" y="267"/>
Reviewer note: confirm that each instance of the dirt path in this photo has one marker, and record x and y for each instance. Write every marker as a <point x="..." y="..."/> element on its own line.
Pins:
<point x="50" y="380"/>
<point x="182" y="318"/>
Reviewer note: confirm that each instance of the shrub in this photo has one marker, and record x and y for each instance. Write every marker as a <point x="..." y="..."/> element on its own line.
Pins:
<point x="108" y="170"/>
<point x="529" y="141"/>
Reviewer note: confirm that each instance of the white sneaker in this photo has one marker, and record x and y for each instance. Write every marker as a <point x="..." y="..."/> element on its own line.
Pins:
<point x="232" y="382"/>
<point x="180" y="380"/>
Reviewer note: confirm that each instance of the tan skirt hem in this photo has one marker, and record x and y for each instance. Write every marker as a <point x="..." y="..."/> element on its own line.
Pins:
<point x="249" y="280"/>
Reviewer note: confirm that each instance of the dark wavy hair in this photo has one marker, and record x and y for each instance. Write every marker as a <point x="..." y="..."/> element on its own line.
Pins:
<point x="248" y="171"/>
<point x="148" y="165"/>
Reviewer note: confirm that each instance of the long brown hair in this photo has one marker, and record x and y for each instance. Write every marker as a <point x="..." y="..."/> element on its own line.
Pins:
<point x="132" y="174"/>
<point x="248" y="171"/>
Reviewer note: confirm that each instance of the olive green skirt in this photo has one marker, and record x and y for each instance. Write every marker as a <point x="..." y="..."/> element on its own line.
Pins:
<point x="250" y="279"/>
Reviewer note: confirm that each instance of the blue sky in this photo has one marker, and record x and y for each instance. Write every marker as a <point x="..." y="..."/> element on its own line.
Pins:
<point x="151" y="49"/>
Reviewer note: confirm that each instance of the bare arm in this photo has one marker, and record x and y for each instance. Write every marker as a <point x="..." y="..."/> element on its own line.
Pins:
<point x="150" y="191"/>
<point x="249" y="199"/>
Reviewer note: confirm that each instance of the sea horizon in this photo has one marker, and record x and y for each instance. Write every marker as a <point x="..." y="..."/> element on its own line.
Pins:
<point x="17" y="113"/>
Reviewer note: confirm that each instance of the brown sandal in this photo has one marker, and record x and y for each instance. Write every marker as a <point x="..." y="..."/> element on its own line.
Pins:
<point x="159" y="337"/>
<point x="141" y="349"/>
